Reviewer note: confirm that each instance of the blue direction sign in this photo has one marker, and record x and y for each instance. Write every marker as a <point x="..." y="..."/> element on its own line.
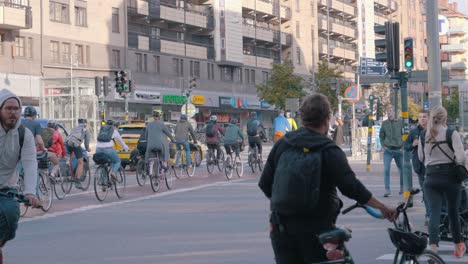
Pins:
<point x="426" y="105"/>
<point x="369" y="66"/>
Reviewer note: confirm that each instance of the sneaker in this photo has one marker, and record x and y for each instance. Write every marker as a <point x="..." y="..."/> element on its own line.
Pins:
<point x="460" y="250"/>
<point x="387" y="194"/>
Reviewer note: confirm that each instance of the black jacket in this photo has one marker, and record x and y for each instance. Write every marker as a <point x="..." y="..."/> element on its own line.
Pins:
<point x="336" y="172"/>
<point x="415" y="133"/>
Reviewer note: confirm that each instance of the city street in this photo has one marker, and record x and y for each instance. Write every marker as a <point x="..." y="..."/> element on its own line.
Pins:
<point x="205" y="219"/>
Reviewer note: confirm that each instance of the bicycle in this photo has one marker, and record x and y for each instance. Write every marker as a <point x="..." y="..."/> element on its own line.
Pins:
<point x="103" y="181"/>
<point x="155" y="171"/>
<point x="255" y="160"/>
<point x="180" y="162"/>
<point x="444" y="227"/>
<point x="410" y="246"/>
<point x="212" y="160"/>
<point x="233" y="163"/>
<point x="65" y="176"/>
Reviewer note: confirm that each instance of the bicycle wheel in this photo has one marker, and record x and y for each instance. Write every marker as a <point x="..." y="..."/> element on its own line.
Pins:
<point x="86" y="177"/>
<point x="169" y="179"/>
<point x="260" y="164"/>
<point x="429" y="257"/>
<point x="45" y="190"/>
<point x="120" y="183"/>
<point x="228" y="169"/>
<point x="210" y="161"/>
<point x="220" y="161"/>
<point x="178" y="167"/>
<point x="239" y="167"/>
<point x="23" y="208"/>
<point x="140" y="172"/>
<point x="59" y="188"/>
<point x="190" y="170"/>
<point x="198" y="158"/>
<point x="101" y="187"/>
<point x="154" y="178"/>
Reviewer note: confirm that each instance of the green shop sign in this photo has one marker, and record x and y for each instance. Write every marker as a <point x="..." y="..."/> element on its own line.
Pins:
<point x="174" y="99"/>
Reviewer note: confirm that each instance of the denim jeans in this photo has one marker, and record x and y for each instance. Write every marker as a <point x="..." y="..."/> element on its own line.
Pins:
<point x="187" y="150"/>
<point x="426" y="203"/>
<point x="38" y="180"/>
<point x="114" y="157"/>
<point x="9" y="217"/>
<point x="390" y="154"/>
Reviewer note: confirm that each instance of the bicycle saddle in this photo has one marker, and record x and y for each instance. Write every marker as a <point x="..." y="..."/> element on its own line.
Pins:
<point x="156" y="150"/>
<point x="335" y="235"/>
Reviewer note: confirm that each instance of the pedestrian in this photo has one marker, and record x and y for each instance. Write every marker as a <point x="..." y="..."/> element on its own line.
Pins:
<point x="392" y="143"/>
<point x="347" y="130"/>
<point x="292" y="122"/>
<point x="301" y="177"/>
<point x="18" y="145"/>
<point x="411" y="145"/>
<point x="441" y="149"/>
<point x="281" y="126"/>
<point x="338" y="136"/>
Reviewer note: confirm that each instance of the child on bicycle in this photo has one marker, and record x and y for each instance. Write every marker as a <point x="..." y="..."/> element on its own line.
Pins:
<point x="233" y="137"/>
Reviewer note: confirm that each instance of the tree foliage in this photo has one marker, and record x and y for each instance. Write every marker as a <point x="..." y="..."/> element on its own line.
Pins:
<point x="327" y="79"/>
<point x="281" y="85"/>
<point x="451" y="104"/>
<point x="385" y="93"/>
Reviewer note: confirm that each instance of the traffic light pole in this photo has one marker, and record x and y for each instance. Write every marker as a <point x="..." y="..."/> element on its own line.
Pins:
<point x="370" y="123"/>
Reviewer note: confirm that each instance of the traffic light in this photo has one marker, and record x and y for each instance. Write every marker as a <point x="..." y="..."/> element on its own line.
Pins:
<point x="409" y="55"/>
<point x="192" y="85"/>
<point x="105" y="85"/>
<point x="121" y="85"/>
<point x="391" y="44"/>
<point x="118" y="83"/>
<point x="123" y="80"/>
<point x="97" y="86"/>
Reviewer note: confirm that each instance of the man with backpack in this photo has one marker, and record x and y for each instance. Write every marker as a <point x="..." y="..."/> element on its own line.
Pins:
<point x="182" y="130"/>
<point x="233" y="138"/>
<point x="30" y="122"/>
<point x="105" y="144"/>
<point x="212" y="131"/>
<point x="73" y="142"/>
<point x="301" y="177"/>
<point x="256" y="133"/>
<point x="17" y="146"/>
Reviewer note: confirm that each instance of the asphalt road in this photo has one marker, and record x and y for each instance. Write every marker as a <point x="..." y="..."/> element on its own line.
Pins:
<point x="204" y="219"/>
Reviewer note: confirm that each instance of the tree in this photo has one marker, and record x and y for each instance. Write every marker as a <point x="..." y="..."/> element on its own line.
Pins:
<point x="451" y="104"/>
<point x="327" y="79"/>
<point x="281" y="85"/>
<point x="385" y="93"/>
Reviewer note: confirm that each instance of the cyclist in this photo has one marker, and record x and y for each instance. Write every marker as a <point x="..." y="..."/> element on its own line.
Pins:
<point x="213" y="129"/>
<point x="56" y="147"/>
<point x="233" y="138"/>
<point x="281" y="126"/>
<point x="105" y="144"/>
<point x="156" y="134"/>
<point x="73" y="145"/>
<point x="17" y="146"/>
<point x="182" y="130"/>
<point x="32" y="124"/>
<point x="256" y="133"/>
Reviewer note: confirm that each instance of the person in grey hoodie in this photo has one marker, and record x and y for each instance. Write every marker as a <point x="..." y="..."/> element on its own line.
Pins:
<point x="156" y="134"/>
<point x="182" y="130"/>
<point x="233" y="137"/>
<point x="11" y="153"/>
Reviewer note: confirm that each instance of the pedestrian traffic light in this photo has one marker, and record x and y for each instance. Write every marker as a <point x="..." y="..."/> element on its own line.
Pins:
<point x="390" y="43"/>
<point x="409" y="55"/>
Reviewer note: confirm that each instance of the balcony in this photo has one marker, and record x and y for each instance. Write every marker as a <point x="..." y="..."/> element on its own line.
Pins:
<point x="286" y="39"/>
<point x="454" y="48"/>
<point x="379" y="19"/>
<point x="285" y="13"/>
<point x="337" y="29"/>
<point x="385" y="6"/>
<point x="195" y="15"/>
<point x="15" y="16"/>
<point x="138" y="7"/>
<point x="338" y="7"/>
<point x="457" y="30"/>
<point x="181" y="49"/>
<point x="253" y="31"/>
<point x="257" y="61"/>
<point x="338" y="52"/>
<point x="458" y="65"/>
<point x="263" y="6"/>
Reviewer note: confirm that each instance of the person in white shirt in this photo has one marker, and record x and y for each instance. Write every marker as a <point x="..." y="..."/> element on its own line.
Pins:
<point x="105" y="144"/>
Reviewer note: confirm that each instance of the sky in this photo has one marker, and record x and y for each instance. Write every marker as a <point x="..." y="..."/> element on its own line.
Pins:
<point x="462" y="5"/>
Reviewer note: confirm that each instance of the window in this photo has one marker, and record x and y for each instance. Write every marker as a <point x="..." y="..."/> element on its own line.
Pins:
<point x="139" y="62"/>
<point x="298" y="30"/>
<point x="178" y="66"/>
<point x="180" y="36"/>
<point x="116" y="59"/>
<point x="59" y="12"/>
<point x="297" y="6"/>
<point x="247" y="75"/>
<point x="79" y="54"/>
<point x="66" y="52"/>
<point x="157" y="64"/>
<point x="265" y="76"/>
<point x="195" y="69"/>
<point x="223" y="43"/>
<point x="2" y="40"/>
<point x="81" y="16"/>
<point x="29" y="48"/>
<point x="145" y="63"/>
<point x="115" y="20"/>
<point x="55" y="51"/>
<point x="210" y="71"/>
<point x="88" y="56"/>
<point x="298" y="56"/>
<point x="239" y="73"/>
<point x="252" y="76"/>
<point x="227" y="74"/>
<point x="312" y="8"/>
<point x="19" y="47"/>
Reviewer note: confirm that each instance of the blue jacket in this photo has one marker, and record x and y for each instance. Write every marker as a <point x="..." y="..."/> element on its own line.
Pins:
<point x="415" y="133"/>
<point x="281" y="124"/>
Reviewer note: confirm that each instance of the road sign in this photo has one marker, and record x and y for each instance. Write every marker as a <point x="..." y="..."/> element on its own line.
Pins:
<point x="369" y="66"/>
<point x="191" y="109"/>
<point x="443" y="25"/>
<point x="352" y="94"/>
<point x="426" y="105"/>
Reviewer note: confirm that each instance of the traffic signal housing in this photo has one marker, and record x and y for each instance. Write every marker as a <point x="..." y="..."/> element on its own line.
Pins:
<point x="409" y="53"/>
<point x="391" y="44"/>
<point x="193" y="84"/>
<point x="121" y="82"/>
<point x="97" y="86"/>
<point x="105" y="85"/>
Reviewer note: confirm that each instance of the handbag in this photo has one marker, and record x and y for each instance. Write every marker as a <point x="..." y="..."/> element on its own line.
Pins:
<point x="461" y="173"/>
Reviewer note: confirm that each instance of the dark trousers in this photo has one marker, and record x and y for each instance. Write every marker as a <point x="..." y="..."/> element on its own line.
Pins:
<point x="440" y="183"/>
<point x="217" y="147"/>
<point x="256" y="142"/>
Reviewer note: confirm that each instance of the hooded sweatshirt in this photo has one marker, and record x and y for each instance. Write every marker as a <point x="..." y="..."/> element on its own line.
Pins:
<point x="10" y="153"/>
<point x="336" y="173"/>
<point x="182" y="130"/>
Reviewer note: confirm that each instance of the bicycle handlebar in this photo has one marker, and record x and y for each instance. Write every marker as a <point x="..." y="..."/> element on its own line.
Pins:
<point x="20" y="198"/>
<point x="370" y="210"/>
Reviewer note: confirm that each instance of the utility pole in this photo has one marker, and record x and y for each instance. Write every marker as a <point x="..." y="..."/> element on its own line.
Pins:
<point x="434" y="71"/>
<point x="370" y="129"/>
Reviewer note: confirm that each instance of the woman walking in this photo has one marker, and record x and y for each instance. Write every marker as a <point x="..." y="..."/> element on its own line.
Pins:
<point x="440" y="149"/>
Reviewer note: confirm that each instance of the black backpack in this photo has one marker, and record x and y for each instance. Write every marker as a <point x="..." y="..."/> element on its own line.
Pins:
<point x="21" y="132"/>
<point x="297" y="178"/>
<point x="47" y="137"/>
<point x="105" y="134"/>
<point x="210" y="130"/>
<point x="252" y="127"/>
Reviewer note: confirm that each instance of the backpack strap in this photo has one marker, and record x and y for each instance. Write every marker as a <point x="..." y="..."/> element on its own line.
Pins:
<point x="422" y="138"/>
<point x="448" y="137"/>
<point x="21" y="132"/>
<point x="448" y="141"/>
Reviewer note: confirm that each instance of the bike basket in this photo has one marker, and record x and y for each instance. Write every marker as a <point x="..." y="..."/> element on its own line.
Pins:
<point x="43" y="163"/>
<point x="411" y="243"/>
<point x="101" y="158"/>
